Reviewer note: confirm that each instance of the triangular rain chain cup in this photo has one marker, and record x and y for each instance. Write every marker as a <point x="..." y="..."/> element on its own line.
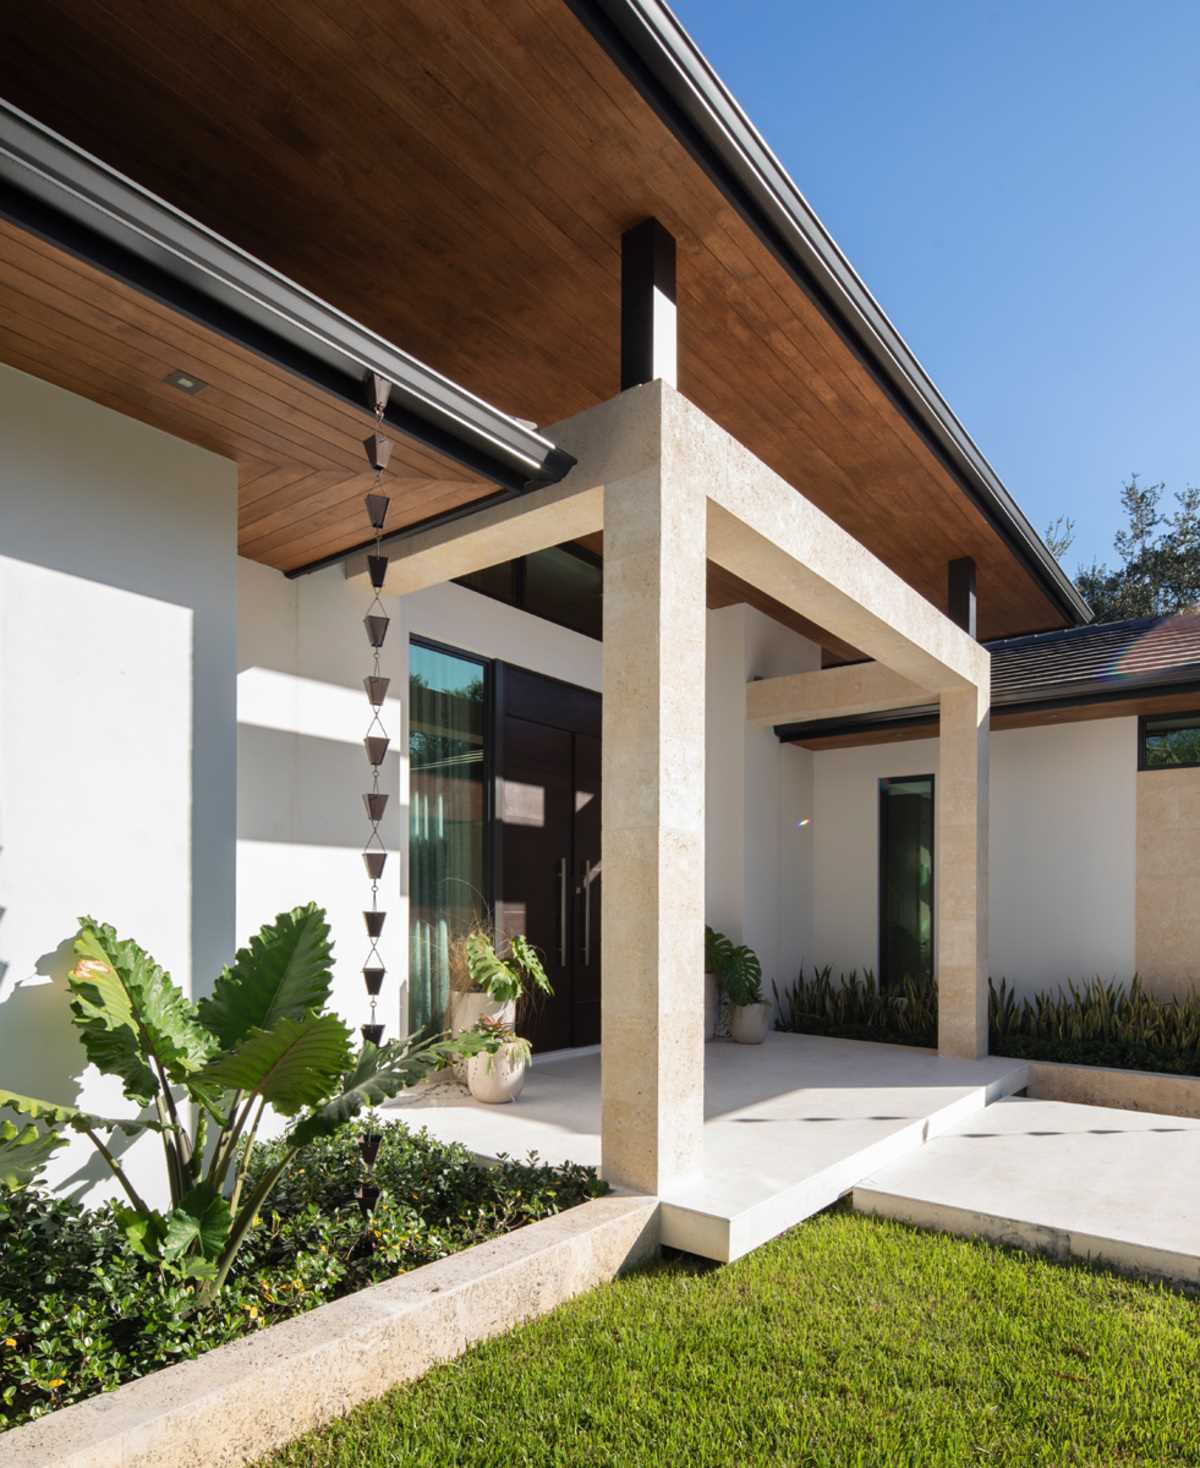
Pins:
<point x="376" y="746"/>
<point x="377" y="688"/>
<point x="376" y="803"/>
<point x="379" y="451"/>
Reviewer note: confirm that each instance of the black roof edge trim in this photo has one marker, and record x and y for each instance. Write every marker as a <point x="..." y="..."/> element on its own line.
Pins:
<point x="68" y="197"/>
<point x="646" y="40"/>
<point x="1138" y="686"/>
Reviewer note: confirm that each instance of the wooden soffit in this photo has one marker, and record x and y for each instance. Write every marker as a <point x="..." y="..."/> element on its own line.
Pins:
<point x="457" y="177"/>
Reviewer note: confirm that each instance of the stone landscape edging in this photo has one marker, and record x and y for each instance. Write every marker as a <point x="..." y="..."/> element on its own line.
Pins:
<point x="240" y="1401"/>
<point x="1127" y="1090"/>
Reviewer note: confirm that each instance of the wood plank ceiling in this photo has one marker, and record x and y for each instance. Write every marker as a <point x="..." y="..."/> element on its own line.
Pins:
<point x="302" y="471"/>
<point x="457" y="177"/>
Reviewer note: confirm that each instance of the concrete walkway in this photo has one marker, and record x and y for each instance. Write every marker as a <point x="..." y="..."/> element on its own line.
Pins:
<point x="1120" y="1187"/>
<point x="790" y="1126"/>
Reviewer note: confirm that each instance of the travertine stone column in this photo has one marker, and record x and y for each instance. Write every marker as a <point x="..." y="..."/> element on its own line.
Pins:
<point x="961" y="806"/>
<point x="653" y="825"/>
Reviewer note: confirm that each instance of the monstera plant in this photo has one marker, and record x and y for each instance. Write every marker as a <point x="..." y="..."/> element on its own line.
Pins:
<point x="203" y="1075"/>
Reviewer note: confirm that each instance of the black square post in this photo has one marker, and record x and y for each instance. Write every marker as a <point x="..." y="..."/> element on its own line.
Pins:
<point x="961" y="599"/>
<point x="648" y="341"/>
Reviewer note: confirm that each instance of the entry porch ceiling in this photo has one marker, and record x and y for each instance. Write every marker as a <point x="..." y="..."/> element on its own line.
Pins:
<point x="457" y="177"/>
<point x="302" y="472"/>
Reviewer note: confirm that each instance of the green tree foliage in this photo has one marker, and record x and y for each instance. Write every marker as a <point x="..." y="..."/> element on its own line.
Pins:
<point x="1158" y="556"/>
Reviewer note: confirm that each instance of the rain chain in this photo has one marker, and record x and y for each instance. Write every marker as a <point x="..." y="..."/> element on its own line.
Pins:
<point x="375" y="743"/>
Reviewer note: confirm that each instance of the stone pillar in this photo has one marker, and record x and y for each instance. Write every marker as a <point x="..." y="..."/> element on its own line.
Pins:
<point x="653" y="828"/>
<point x="961" y="813"/>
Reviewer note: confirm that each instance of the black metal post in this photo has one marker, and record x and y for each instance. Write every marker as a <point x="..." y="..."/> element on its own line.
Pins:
<point x="961" y="598"/>
<point x="648" y="339"/>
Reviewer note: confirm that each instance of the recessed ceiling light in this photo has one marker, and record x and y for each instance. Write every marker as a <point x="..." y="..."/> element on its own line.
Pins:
<point x="185" y="382"/>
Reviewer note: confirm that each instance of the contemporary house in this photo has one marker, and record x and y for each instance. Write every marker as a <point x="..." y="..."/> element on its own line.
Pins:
<point x="696" y="601"/>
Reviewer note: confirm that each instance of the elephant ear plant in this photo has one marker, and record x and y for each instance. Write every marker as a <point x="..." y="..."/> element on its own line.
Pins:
<point x="205" y="1073"/>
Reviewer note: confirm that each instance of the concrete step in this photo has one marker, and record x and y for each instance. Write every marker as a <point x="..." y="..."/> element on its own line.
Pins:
<point x="842" y="1110"/>
<point x="1072" y="1181"/>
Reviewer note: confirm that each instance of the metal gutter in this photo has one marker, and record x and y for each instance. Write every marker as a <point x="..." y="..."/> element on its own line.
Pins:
<point x="1059" y="696"/>
<point x="658" y="56"/>
<point x="67" y="196"/>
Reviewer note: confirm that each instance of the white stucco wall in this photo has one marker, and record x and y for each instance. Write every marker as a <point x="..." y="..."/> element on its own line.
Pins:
<point x="302" y="712"/>
<point x="1062" y="850"/>
<point x="117" y="755"/>
<point x="758" y="865"/>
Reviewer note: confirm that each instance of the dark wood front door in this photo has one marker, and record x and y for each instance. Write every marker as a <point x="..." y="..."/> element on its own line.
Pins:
<point x="547" y="850"/>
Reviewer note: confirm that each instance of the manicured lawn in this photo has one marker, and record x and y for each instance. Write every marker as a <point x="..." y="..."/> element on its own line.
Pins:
<point x="847" y="1342"/>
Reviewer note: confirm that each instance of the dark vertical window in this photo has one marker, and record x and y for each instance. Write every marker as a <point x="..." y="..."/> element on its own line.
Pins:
<point x="447" y="818"/>
<point x="906" y="879"/>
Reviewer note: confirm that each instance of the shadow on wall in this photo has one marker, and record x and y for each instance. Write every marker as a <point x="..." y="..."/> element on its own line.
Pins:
<point x="305" y="790"/>
<point x="43" y="1057"/>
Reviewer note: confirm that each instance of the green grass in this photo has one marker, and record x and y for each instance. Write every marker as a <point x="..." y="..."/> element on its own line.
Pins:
<point x="846" y="1342"/>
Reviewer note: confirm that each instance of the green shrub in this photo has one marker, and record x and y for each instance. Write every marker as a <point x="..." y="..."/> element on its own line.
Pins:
<point x="1096" y="1023"/>
<point x="855" y="1007"/>
<point x="263" y="1038"/>
<point x="80" y="1313"/>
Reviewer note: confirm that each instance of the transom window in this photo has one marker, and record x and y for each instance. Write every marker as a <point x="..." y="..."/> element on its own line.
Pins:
<point x="1168" y="741"/>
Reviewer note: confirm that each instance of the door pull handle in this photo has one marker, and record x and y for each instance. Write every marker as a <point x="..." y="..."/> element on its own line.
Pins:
<point x="562" y="911"/>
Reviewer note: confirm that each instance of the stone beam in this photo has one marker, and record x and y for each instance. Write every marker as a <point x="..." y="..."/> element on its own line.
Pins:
<point x="516" y="527"/>
<point x="830" y="693"/>
<point x="614" y="441"/>
<point x="763" y="530"/>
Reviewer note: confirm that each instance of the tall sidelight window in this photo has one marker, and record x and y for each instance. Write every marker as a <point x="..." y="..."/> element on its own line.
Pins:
<point x="448" y="702"/>
<point x="906" y="878"/>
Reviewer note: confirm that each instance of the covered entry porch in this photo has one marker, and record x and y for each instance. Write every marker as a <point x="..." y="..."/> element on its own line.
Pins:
<point x="789" y="1127"/>
<point x="671" y="491"/>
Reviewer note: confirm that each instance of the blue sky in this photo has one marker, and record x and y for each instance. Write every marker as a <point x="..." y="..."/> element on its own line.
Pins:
<point x="1019" y="185"/>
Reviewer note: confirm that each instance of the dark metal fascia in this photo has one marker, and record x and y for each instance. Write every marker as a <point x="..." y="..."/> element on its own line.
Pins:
<point x="658" y="56"/>
<point x="65" y="195"/>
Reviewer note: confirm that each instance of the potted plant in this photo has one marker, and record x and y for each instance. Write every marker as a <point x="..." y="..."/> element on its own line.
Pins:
<point x="717" y="948"/>
<point x="496" y="985"/>
<point x="749" y="1014"/>
<point x="508" y="1060"/>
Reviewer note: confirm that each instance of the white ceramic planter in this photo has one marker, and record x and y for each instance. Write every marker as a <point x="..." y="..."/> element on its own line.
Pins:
<point x="712" y="1006"/>
<point x="749" y="1023"/>
<point x="467" y="1009"/>
<point x="498" y="1078"/>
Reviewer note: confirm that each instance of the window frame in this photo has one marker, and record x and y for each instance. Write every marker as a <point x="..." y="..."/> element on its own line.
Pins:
<point x="1144" y="721"/>
<point x="489" y="668"/>
<point x="881" y="786"/>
